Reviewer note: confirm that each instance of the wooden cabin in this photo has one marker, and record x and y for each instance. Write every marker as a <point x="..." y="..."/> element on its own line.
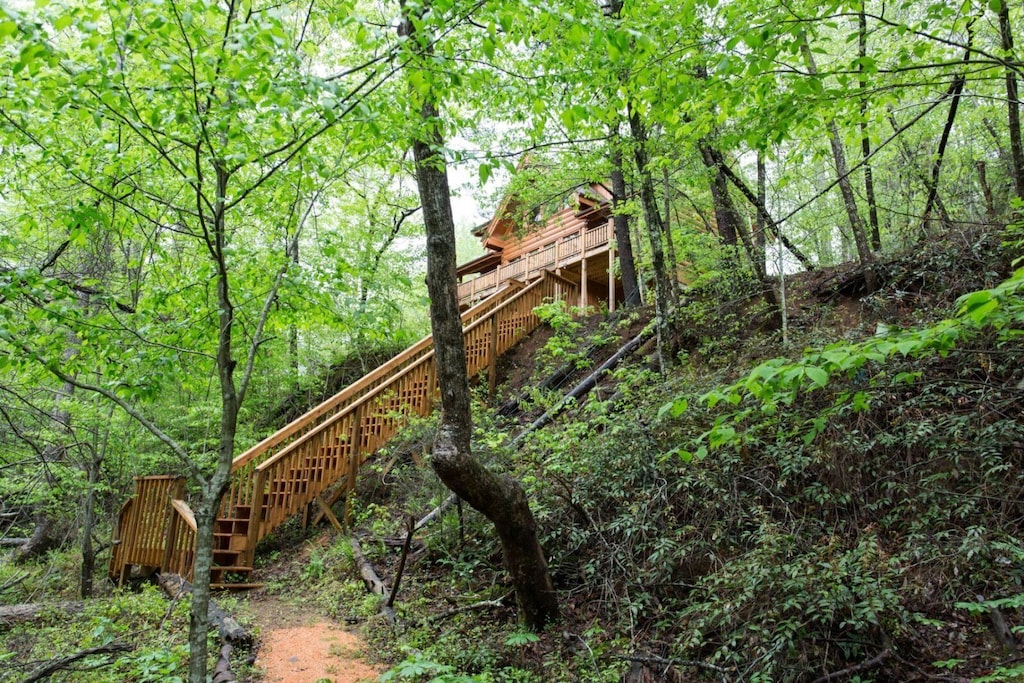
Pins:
<point x="572" y="237"/>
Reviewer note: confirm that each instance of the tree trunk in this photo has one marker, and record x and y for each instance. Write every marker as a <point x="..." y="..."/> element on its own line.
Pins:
<point x="933" y="185"/>
<point x="623" y="243"/>
<point x="726" y="217"/>
<point x="760" y="241"/>
<point x="865" y="142"/>
<point x="670" y="243"/>
<point x="499" y="498"/>
<point x="990" y="206"/>
<point x="662" y="287"/>
<point x="1012" y="101"/>
<point x="860" y="238"/>
<point x="213" y="489"/>
<point x="758" y="204"/>
<point x="88" y="523"/>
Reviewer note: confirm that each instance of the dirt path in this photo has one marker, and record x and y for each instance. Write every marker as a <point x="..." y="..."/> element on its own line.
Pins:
<point x="300" y="646"/>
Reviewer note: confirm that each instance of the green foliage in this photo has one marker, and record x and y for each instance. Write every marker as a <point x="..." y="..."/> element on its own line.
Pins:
<point x="778" y="382"/>
<point x="155" y="626"/>
<point x="418" y="668"/>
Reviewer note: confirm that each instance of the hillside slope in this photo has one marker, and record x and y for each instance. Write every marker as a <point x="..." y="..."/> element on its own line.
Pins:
<point x="740" y="520"/>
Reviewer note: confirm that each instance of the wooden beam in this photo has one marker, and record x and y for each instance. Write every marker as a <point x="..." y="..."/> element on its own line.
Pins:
<point x="331" y="498"/>
<point x="325" y="510"/>
<point x="492" y="361"/>
<point x="583" y="283"/>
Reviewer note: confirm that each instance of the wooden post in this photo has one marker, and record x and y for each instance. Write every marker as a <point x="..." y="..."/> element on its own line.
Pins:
<point x="492" y="361"/>
<point x="611" y="280"/>
<point x="354" y="460"/>
<point x="255" y="515"/>
<point x="169" y="544"/>
<point x="583" y="282"/>
<point x="558" y="269"/>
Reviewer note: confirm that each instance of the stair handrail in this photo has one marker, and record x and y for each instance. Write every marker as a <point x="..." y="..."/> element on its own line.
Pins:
<point x="262" y="473"/>
<point x="180" y="546"/>
<point x="374" y="393"/>
<point x="408" y="356"/>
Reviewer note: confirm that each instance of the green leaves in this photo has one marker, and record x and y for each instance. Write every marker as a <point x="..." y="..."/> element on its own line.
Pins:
<point x="779" y="381"/>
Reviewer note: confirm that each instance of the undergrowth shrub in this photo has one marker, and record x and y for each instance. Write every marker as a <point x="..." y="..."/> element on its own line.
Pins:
<point x="808" y="516"/>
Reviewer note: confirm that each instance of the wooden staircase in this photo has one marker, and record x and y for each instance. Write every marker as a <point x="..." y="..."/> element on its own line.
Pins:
<point x="313" y="462"/>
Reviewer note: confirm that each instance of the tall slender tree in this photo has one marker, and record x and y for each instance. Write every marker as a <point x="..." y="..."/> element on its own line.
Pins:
<point x="499" y="498"/>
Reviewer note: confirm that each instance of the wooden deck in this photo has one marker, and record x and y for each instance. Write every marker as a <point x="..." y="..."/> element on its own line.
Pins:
<point x="313" y="462"/>
<point x="569" y="245"/>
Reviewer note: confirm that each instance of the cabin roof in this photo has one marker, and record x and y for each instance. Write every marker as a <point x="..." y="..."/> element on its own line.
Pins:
<point x="497" y="232"/>
<point x="481" y="264"/>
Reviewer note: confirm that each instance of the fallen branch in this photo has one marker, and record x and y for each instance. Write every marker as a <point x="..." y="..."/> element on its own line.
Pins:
<point x="483" y="604"/>
<point x="401" y="563"/>
<point x="436" y="512"/>
<point x="373" y="582"/>
<point x="662" y="661"/>
<point x="856" y="668"/>
<point x="20" y="614"/>
<point x="54" y="665"/>
<point x="13" y="581"/>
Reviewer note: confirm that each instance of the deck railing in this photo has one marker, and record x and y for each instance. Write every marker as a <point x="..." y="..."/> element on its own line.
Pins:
<point x="559" y="252"/>
<point x="334" y="449"/>
<point x="143" y="523"/>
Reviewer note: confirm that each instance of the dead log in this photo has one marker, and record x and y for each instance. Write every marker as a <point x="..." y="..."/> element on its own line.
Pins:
<point x="58" y="663"/>
<point x="229" y="630"/>
<point x="373" y="582"/>
<point x="28" y="612"/>
<point x="11" y="542"/>
<point x="222" y="672"/>
<point x="40" y="541"/>
<point x="583" y="388"/>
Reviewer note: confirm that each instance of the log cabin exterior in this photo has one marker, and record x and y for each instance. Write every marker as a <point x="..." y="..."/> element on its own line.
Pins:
<point x="575" y="239"/>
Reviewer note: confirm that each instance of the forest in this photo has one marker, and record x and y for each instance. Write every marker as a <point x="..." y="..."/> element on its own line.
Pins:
<point x="791" y="448"/>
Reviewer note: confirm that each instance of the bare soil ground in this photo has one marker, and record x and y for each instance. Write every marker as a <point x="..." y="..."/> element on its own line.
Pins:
<point x="300" y="646"/>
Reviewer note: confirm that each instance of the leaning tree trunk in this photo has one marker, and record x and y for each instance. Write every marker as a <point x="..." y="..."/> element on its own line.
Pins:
<point x="860" y="237"/>
<point x="623" y="243"/>
<point x="662" y="287"/>
<point x="499" y="498"/>
<point x="760" y="236"/>
<point x="761" y="208"/>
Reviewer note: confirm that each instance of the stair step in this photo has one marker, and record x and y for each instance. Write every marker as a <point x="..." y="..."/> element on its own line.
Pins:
<point x="230" y="568"/>
<point x="220" y="585"/>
